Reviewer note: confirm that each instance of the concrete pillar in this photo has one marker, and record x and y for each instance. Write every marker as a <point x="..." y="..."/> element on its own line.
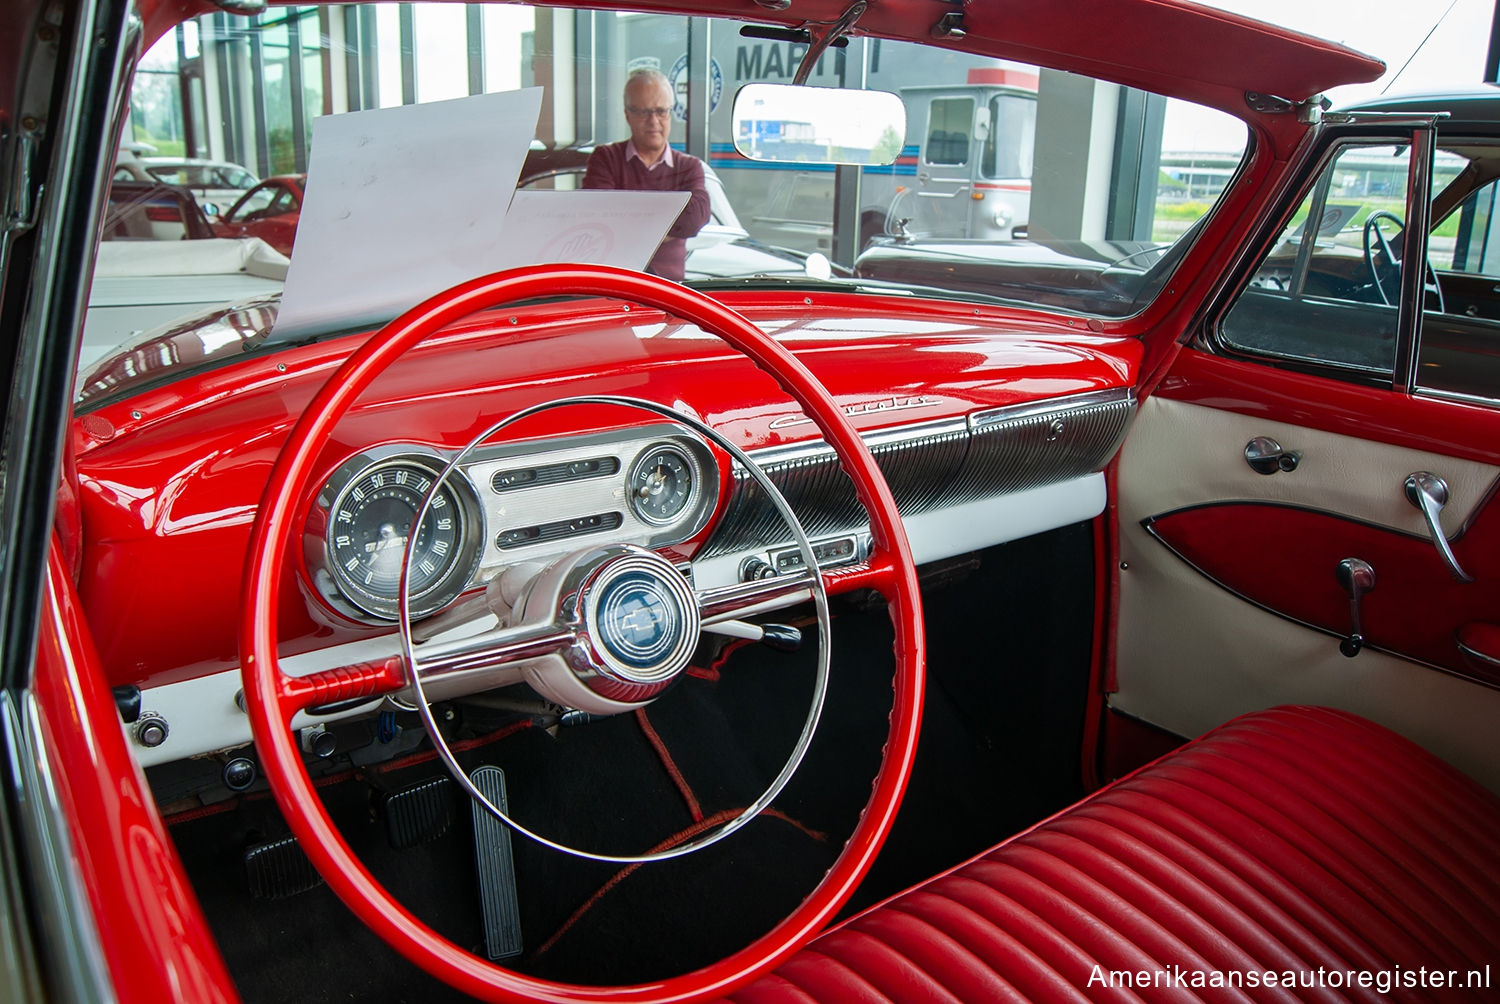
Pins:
<point x="1075" y="141"/>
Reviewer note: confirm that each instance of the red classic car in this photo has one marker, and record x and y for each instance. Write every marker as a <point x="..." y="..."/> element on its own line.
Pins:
<point x="269" y="211"/>
<point x="1112" y="614"/>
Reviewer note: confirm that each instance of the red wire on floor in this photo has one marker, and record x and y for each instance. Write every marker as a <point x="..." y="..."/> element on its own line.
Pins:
<point x="694" y="809"/>
<point x="698" y="828"/>
<point x="711" y="673"/>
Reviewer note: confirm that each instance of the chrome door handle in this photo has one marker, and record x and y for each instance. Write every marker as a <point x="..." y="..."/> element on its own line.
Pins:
<point x="1429" y="493"/>
<point x="1265" y="456"/>
<point x="1357" y="577"/>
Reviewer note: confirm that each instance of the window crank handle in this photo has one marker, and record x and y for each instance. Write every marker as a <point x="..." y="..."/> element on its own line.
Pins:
<point x="1429" y="493"/>
<point x="1357" y="577"/>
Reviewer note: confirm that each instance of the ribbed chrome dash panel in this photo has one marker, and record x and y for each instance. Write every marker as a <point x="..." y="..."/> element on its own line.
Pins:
<point x="918" y="463"/>
<point x="928" y="466"/>
<point x="1022" y="447"/>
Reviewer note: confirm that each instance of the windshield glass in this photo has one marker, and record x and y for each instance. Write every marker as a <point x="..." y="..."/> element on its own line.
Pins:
<point x="1010" y="183"/>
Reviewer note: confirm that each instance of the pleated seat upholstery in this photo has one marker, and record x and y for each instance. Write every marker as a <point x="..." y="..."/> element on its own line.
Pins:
<point x="1287" y="842"/>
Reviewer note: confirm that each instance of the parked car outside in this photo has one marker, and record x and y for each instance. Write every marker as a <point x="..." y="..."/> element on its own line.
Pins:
<point x="1105" y="615"/>
<point x="269" y="211"/>
<point x="151" y="210"/>
<point x="217" y="184"/>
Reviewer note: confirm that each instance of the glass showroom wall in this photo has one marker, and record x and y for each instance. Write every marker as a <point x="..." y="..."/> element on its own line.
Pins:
<point x="247" y="89"/>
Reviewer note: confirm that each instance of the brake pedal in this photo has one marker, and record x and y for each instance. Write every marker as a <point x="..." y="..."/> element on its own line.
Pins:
<point x="497" y="870"/>
<point x="420" y="813"/>
<point x="277" y="869"/>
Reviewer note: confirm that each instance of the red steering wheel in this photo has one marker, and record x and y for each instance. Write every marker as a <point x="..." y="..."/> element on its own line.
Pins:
<point x="272" y="698"/>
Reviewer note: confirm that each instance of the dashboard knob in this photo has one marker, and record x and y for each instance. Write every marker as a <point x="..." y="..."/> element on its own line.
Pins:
<point x="151" y="731"/>
<point x="752" y="569"/>
<point x="319" y="742"/>
<point x="239" y="773"/>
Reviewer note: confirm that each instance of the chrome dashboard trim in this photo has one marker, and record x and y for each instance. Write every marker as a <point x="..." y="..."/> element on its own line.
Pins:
<point x="932" y="465"/>
<point x="491" y="511"/>
<point x="1036" y="444"/>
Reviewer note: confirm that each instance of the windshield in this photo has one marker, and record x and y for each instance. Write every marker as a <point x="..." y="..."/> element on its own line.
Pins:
<point x="999" y="186"/>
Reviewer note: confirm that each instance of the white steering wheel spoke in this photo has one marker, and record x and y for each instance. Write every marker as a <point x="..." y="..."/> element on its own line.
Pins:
<point x="758" y="596"/>
<point x="484" y="661"/>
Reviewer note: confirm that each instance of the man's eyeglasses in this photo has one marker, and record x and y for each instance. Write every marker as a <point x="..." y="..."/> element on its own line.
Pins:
<point x="641" y="113"/>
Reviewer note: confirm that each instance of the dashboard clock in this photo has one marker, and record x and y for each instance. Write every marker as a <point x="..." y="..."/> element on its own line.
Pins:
<point x="662" y="483"/>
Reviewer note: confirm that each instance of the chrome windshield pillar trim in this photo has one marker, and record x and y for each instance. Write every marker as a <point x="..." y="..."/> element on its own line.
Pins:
<point x="69" y="936"/>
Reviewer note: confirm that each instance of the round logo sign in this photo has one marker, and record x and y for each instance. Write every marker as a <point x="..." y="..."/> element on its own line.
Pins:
<point x="639" y="620"/>
<point x="679" y="79"/>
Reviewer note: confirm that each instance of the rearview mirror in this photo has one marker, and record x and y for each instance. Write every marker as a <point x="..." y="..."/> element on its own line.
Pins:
<point x="818" y="125"/>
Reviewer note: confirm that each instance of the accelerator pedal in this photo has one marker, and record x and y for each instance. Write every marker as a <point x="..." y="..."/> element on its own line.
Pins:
<point x="497" y="870"/>
<point x="277" y="869"/>
<point x="420" y="812"/>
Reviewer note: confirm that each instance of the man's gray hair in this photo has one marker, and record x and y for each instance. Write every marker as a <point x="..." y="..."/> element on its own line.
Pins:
<point x="647" y="73"/>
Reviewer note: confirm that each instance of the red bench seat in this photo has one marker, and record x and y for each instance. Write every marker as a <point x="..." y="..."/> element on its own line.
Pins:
<point x="1298" y="843"/>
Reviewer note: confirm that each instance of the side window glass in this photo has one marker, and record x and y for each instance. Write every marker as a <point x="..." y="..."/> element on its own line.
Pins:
<point x="1461" y="327"/>
<point x="948" y="124"/>
<point x="1328" y="291"/>
<point x="256" y="201"/>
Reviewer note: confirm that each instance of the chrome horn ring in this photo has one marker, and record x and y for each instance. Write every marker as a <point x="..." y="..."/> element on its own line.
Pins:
<point x="813" y="582"/>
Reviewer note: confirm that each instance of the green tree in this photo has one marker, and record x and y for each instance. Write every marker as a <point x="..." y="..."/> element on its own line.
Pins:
<point x="887" y="148"/>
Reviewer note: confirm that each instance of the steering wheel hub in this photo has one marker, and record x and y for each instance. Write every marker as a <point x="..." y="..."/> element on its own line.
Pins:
<point x="641" y="621"/>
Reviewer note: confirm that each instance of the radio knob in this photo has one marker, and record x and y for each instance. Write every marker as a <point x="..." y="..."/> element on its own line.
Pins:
<point x="752" y="569"/>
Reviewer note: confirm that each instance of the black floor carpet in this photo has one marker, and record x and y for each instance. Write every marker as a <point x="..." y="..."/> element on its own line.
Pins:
<point x="1009" y="644"/>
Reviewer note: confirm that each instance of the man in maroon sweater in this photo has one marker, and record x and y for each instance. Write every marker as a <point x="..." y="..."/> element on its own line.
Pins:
<point x="647" y="163"/>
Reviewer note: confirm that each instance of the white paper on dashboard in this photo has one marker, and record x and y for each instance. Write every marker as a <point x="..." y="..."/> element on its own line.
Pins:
<point x="402" y="203"/>
<point x="595" y="226"/>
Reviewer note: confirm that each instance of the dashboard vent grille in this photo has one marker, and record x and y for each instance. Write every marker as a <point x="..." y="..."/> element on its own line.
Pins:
<point x="554" y="474"/>
<point x="521" y="536"/>
<point x="916" y="466"/>
<point x="928" y="466"/>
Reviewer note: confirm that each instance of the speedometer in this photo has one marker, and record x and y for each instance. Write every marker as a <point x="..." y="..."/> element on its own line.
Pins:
<point x="369" y="516"/>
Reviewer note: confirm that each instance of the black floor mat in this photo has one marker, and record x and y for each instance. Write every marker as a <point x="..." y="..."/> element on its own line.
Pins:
<point x="1008" y="645"/>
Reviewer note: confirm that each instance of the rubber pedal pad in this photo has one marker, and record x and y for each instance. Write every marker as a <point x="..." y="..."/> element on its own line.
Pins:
<point x="421" y="812"/>
<point x="277" y="869"/>
<point x="497" y="869"/>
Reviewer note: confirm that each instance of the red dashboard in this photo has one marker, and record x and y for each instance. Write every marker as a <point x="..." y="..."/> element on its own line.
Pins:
<point x="169" y="480"/>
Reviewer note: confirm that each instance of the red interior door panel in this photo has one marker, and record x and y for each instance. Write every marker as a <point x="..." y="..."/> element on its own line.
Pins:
<point x="1284" y="557"/>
